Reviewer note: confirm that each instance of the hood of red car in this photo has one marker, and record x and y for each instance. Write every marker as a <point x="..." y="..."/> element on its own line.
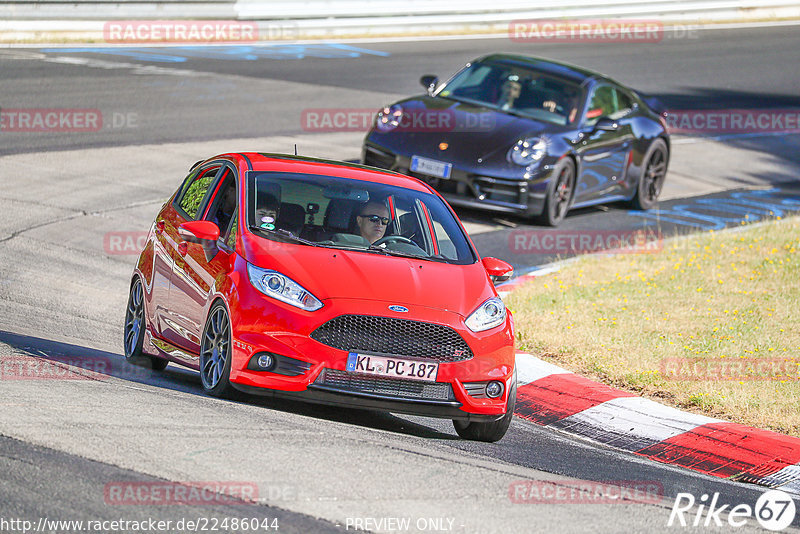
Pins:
<point x="339" y="274"/>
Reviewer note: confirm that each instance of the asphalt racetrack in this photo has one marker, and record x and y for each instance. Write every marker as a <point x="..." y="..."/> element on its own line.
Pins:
<point x="73" y="201"/>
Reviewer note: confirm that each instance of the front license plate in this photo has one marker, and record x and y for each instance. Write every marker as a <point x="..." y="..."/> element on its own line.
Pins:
<point x="431" y="167"/>
<point x="371" y="364"/>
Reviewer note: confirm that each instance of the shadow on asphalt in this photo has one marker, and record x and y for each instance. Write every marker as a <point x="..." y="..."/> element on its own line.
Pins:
<point x="100" y="365"/>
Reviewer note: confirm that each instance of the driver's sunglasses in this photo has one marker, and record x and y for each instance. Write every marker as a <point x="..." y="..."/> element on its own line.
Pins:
<point x="375" y="218"/>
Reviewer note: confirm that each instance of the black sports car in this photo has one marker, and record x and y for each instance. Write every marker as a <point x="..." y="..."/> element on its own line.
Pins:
<point x="527" y="136"/>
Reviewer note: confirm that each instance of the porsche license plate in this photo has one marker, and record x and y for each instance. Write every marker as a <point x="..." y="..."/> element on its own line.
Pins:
<point x="388" y="366"/>
<point x="431" y="167"/>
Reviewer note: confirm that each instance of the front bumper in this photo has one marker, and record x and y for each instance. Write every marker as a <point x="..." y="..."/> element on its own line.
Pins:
<point x="324" y="377"/>
<point x="470" y="187"/>
<point x="372" y="402"/>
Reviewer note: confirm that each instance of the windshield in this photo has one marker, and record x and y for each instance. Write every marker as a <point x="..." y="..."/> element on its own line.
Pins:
<point x="353" y="214"/>
<point x="516" y="89"/>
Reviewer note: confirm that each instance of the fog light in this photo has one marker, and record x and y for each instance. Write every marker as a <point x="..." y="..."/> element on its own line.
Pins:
<point x="494" y="389"/>
<point x="265" y="361"/>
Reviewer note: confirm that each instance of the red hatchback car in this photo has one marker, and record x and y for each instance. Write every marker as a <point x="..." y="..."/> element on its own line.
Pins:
<point x="325" y="282"/>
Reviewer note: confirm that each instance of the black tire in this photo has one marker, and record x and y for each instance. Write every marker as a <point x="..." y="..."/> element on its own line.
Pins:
<point x="215" y="353"/>
<point x="559" y="194"/>
<point x="489" y="432"/>
<point x="134" y="330"/>
<point x="651" y="179"/>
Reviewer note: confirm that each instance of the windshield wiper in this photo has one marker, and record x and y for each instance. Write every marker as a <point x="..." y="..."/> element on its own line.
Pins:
<point x="286" y="234"/>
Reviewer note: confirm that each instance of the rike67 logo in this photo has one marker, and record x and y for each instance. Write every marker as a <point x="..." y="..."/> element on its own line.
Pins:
<point x="774" y="510"/>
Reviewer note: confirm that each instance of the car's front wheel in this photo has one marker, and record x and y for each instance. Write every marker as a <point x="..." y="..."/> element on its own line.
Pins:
<point x="215" y="353"/>
<point x="493" y="431"/>
<point x="134" y="330"/>
<point x="559" y="194"/>
<point x="651" y="180"/>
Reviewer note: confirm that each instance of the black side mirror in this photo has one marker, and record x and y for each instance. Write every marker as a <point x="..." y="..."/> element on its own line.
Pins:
<point x="429" y="82"/>
<point x="606" y="124"/>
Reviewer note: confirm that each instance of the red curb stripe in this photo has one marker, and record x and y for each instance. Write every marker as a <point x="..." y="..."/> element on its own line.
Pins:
<point x="728" y="450"/>
<point x="557" y="396"/>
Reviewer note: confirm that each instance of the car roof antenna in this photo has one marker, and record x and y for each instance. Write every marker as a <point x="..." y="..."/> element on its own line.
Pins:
<point x="295" y="149"/>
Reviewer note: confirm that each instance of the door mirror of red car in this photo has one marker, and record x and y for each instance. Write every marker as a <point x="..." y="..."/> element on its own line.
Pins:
<point x="204" y="233"/>
<point x="199" y="231"/>
<point x="499" y="271"/>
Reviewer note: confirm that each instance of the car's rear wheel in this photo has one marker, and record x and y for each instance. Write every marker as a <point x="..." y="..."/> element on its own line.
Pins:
<point x="493" y="431"/>
<point x="559" y="195"/>
<point x="134" y="330"/>
<point x="651" y="180"/>
<point x="215" y="353"/>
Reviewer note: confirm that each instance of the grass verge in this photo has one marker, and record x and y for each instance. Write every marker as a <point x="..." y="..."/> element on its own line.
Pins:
<point x="710" y="323"/>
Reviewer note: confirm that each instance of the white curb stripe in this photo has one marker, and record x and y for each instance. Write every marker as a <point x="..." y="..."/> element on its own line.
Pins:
<point x="632" y="423"/>
<point x="530" y="369"/>
<point x="788" y="477"/>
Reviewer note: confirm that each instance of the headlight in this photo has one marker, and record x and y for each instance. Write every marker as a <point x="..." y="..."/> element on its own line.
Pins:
<point x="528" y="151"/>
<point x="488" y="315"/>
<point x="280" y="287"/>
<point x="389" y="118"/>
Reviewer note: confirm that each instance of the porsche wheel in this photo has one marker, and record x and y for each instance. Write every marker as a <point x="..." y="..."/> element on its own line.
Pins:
<point x="134" y="330"/>
<point x="651" y="180"/>
<point x="493" y="431"/>
<point x="215" y="353"/>
<point x="559" y="195"/>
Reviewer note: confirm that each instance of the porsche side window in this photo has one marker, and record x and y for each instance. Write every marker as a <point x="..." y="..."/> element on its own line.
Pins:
<point x="603" y="104"/>
<point x="624" y="105"/>
<point x="194" y="191"/>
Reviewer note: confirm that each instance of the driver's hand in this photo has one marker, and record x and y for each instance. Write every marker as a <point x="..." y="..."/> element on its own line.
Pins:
<point x="549" y="105"/>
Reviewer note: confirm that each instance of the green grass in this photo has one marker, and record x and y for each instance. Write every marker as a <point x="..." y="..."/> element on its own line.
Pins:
<point x="715" y="299"/>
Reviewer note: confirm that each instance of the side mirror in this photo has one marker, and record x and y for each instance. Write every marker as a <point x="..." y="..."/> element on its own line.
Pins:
<point x="606" y="125"/>
<point x="498" y="270"/>
<point x="429" y="82"/>
<point x="204" y="233"/>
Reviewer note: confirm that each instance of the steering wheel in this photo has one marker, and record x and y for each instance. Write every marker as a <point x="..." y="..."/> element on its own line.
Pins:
<point x="390" y="238"/>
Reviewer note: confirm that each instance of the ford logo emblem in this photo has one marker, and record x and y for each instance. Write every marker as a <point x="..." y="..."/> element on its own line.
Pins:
<point x="396" y="308"/>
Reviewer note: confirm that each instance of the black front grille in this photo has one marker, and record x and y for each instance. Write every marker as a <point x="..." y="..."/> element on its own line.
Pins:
<point x="399" y="337"/>
<point x="496" y="189"/>
<point x="343" y="381"/>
